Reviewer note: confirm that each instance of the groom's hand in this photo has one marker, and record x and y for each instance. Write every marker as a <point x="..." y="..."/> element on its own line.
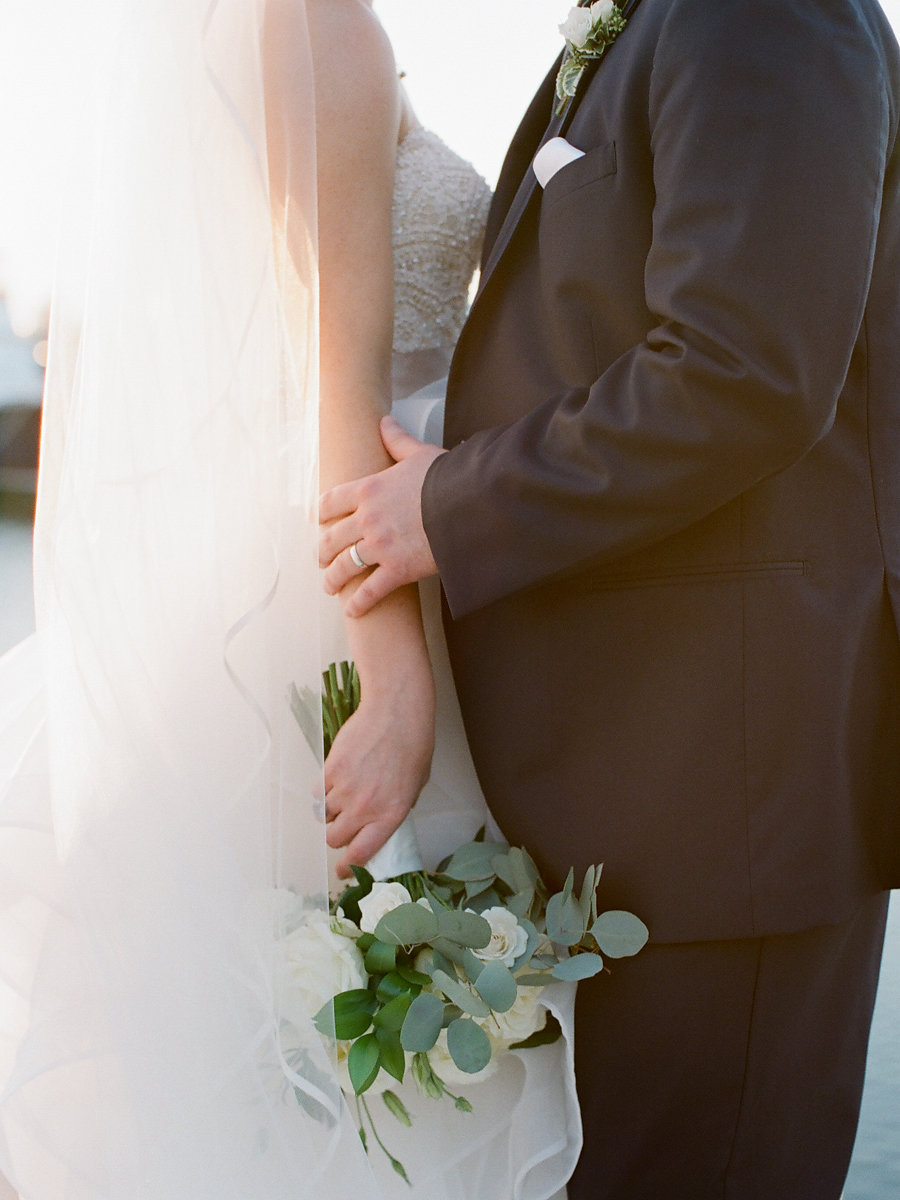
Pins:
<point x="378" y="519"/>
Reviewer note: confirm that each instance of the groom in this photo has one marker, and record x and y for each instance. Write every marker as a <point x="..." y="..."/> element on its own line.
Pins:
<point x="668" y="530"/>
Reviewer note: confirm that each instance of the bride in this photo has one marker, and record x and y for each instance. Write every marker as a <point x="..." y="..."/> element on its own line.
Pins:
<point x="269" y="250"/>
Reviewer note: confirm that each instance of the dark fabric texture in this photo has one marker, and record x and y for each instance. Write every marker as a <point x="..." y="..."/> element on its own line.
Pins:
<point x="668" y="527"/>
<point x="728" y="1070"/>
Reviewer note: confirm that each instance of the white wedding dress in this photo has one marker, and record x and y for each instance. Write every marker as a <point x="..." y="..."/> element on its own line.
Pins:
<point x="154" y="788"/>
<point x="523" y="1140"/>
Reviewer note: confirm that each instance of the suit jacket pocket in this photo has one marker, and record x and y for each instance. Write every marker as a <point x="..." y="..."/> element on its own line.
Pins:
<point x="595" y="164"/>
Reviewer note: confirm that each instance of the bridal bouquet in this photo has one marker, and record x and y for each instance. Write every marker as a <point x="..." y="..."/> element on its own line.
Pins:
<point x="439" y="972"/>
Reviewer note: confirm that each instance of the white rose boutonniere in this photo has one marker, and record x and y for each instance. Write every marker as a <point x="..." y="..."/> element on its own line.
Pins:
<point x="588" y="32"/>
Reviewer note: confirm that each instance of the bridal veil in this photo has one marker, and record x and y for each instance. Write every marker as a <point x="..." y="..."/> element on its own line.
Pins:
<point x="156" y="796"/>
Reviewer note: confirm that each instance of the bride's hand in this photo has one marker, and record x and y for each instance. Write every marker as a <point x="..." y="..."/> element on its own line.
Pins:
<point x="378" y="764"/>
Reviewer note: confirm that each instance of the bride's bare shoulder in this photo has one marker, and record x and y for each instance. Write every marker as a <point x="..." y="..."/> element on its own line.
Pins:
<point x="350" y="46"/>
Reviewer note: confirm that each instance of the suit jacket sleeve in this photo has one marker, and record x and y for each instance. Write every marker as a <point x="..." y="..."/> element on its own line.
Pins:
<point x="769" y="127"/>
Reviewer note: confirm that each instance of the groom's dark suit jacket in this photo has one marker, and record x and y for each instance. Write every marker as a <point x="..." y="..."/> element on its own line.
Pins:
<point x="668" y="528"/>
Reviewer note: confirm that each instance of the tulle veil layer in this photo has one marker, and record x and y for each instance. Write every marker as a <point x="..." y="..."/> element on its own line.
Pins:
<point x="155" y="792"/>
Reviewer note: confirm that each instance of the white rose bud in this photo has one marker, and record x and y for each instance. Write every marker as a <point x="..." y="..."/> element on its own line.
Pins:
<point x="383" y="898"/>
<point x="508" y="938"/>
<point x="577" y="26"/>
<point x="602" y="11"/>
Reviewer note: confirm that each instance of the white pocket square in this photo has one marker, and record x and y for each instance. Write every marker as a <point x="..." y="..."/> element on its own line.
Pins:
<point x="552" y="157"/>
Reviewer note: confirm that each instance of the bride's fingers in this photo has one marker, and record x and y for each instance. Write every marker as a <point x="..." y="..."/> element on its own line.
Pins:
<point x="339" y="501"/>
<point x="336" y="537"/>
<point x="358" y="852"/>
<point x="346" y="567"/>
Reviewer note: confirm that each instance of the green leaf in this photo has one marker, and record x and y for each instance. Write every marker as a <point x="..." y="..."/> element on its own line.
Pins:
<point x="349" y="899"/>
<point x="587" y="893"/>
<point x="460" y="995"/>
<point x="462" y="1104"/>
<point x="393" y="984"/>
<point x="479" y="901"/>
<point x="533" y="979"/>
<point x="348" y="1016"/>
<point x="503" y="869"/>
<point x="473" y="861"/>
<point x="525" y="873"/>
<point x="422" y="1024"/>
<point x="541" y="1037"/>
<point x="393" y="1014"/>
<point x="391" y="1056"/>
<point x="564" y="923"/>
<point x="497" y="987"/>
<point x="619" y="934"/>
<point x="579" y="966"/>
<point x="469" y="1046"/>
<point x="520" y="904"/>
<point x="416" y="979"/>
<point x="463" y="928"/>
<point x="397" y="1108"/>
<point x="363" y="1062"/>
<point x="380" y="958"/>
<point x="407" y="925"/>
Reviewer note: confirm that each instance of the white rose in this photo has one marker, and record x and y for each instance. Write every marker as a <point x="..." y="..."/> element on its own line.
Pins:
<point x="525" y="1017"/>
<point x="508" y="938"/>
<point x="383" y="898"/>
<point x="443" y="1065"/>
<point x="577" y="26"/>
<point x="320" y="959"/>
<point x="602" y="11"/>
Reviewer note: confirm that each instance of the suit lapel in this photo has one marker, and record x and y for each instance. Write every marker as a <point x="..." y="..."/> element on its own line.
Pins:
<point x="495" y="247"/>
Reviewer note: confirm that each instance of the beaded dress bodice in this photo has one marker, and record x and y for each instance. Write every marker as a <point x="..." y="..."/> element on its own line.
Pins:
<point x="439" y="214"/>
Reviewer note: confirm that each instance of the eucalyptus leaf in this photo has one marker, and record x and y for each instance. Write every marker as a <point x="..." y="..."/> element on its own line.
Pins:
<point x="530" y="946"/>
<point x="533" y="979"/>
<point x="569" y="885"/>
<point x="486" y="898"/>
<point x="504" y="869"/>
<point x="463" y="928"/>
<point x="497" y="987"/>
<point x="407" y="925"/>
<point x="525" y="873"/>
<point x="520" y="903"/>
<point x="472" y="861"/>
<point x="363" y="1062"/>
<point x="579" y="966"/>
<point x="564" y="923"/>
<point x="460" y="995"/>
<point x="619" y="934"/>
<point x="422" y="1024"/>
<point x="587" y="892"/>
<point x="469" y="1046"/>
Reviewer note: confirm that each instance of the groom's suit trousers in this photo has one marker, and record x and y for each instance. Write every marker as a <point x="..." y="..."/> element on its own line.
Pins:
<point x="727" y="1070"/>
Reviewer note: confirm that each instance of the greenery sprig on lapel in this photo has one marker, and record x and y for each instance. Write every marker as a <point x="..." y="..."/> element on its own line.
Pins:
<point x="589" y="31"/>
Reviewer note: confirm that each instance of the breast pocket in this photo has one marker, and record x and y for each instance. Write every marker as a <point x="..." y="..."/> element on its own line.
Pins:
<point x="596" y="164"/>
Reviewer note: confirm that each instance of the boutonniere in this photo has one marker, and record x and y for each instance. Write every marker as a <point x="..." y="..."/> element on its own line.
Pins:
<point x="588" y="31"/>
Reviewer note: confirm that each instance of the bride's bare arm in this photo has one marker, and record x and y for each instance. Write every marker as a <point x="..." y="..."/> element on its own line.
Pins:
<point x="382" y="757"/>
